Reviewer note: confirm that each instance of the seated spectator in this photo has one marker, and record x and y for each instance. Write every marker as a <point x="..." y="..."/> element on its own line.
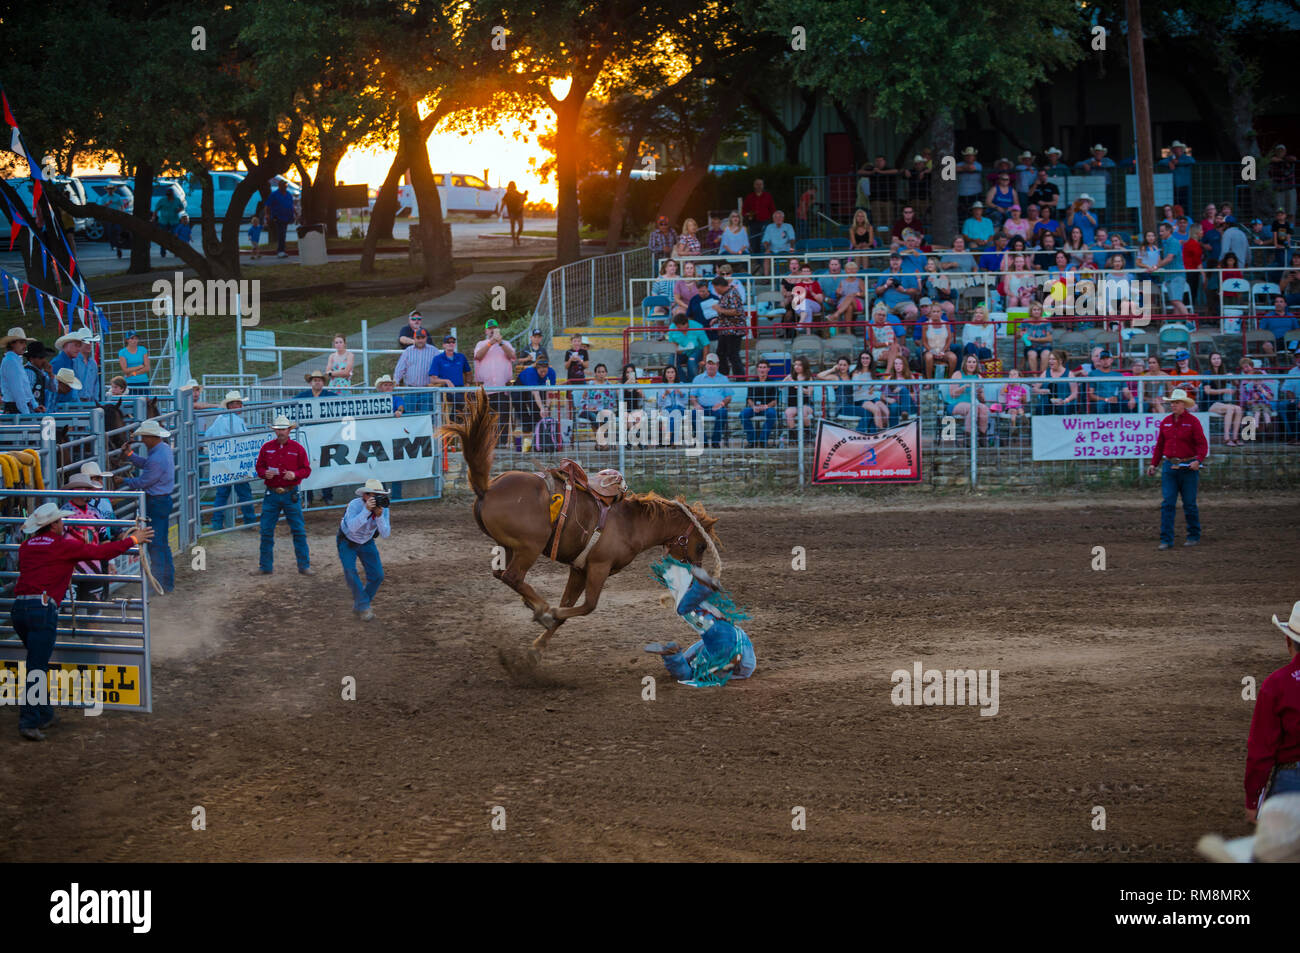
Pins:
<point x="1290" y="283"/>
<point x="829" y="278"/>
<point x="1020" y="285"/>
<point x="885" y="339"/>
<point x="938" y="288"/>
<point x="761" y="399"/>
<point x="1289" y="404"/>
<point x="1257" y="396"/>
<point x="537" y="404"/>
<point x="1148" y="253"/>
<point x="806" y="299"/>
<point x="1216" y="398"/>
<point x="1058" y="393"/>
<point x="1036" y="332"/>
<point x="671" y="401"/>
<point x="1115" y="290"/>
<point x="861" y="235"/>
<point x="703" y="307"/>
<point x="593" y="400"/>
<point x="851" y="295"/>
<point x="908" y="220"/>
<point x="800" y="370"/>
<point x="1000" y="198"/>
<point x="1047" y="248"/>
<point x="734" y="239"/>
<point x="912" y="251"/>
<point x="959" y="259"/>
<point x="688" y="242"/>
<point x="117" y="386"/>
<point x="979" y="335"/>
<point x="633" y="401"/>
<point x="1279" y="321"/>
<point x="1231" y="267"/>
<point x="899" y="394"/>
<point x="713" y="236"/>
<point x="1014" y="399"/>
<point x="685" y="288"/>
<point x="713" y="401"/>
<point x="937" y="338"/>
<point x="843" y="394"/>
<point x="899" y="290"/>
<point x="665" y="284"/>
<point x="868" y="393"/>
<point x="1075" y="246"/>
<point x="1047" y="225"/>
<point x="778" y="236"/>
<point x="1044" y="194"/>
<point x="964" y="397"/>
<point x="1014" y="225"/>
<point x="662" y="239"/>
<point x="1106" y="397"/>
<point x="977" y="229"/>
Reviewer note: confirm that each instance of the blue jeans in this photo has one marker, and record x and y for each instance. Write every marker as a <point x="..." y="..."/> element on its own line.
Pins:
<point x="719" y="415"/>
<point x="1284" y="782"/>
<point x="1174" y="482"/>
<point x="720" y="636"/>
<point x="158" y="508"/>
<point x="903" y="404"/>
<point x="747" y="421"/>
<point x="243" y="493"/>
<point x="349" y="551"/>
<point x="866" y="422"/>
<point x="38" y="627"/>
<point x="290" y="504"/>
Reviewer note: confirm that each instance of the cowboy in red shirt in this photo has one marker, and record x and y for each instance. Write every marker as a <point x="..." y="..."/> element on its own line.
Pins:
<point x="1181" y="447"/>
<point x="757" y="208"/>
<point x="46" y="562"/>
<point x="1273" y="749"/>
<point x="283" y="464"/>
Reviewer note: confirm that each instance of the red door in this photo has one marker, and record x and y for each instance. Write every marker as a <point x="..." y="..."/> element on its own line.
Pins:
<point x="840" y="174"/>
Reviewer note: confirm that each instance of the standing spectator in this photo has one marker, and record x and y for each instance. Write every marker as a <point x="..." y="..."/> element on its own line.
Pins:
<point x="87" y="366"/>
<point x="1179" y="162"/>
<point x="1170" y="262"/>
<point x="1273" y="746"/>
<point x="85" y="508"/>
<point x="1097" y="163"/>
<point x="283" y="464"/>
<point x="535" y="404"/>
<point x="534" y="350"/>
<point x="1179" y="450"/>
<point x="168" y="214"/>
<point x="406" y="337"/>
<point x="339" y="367"/>
<point x="385" y="386"/>
<point x="970" y="179"/>
<point x="761" y="400"/>
<point x="36" y="364"/>
<point x="317" y="389"/>
<point x="1081" y="217"/>
<point x="757" y="209"/>
<point x="804" y="210"/>
<point x="688" y="242"/>
<point x="65" y="392"/>
<point x="883" y="181"/>
<point x="1289" y="405"/>
<point x="778" y="236"/>
<point x="512" y="203"/>
<point x="1193" y="256"/>
<point x="861" y="235"/>
<point x="280" y="209"/>
<point x="68" y="358"/>
<point x="1281" y="172"/>
<point x="157" y="479"/>
<point x="1054" y="164"/>
<point x="365" y="519"/>
<point x="731" y="326"/>
<point x="254" y="232"/>
<point x="15" y="386"/>
<point x="1026" y="173"/>
<point x="449" y="367"/>
<point x="734" y="239"/>
<point x="415" y="369"/>
<point x="576" y="359"/>
<point x="713" y="401"/>
<point x="46" y="561"/>
<point x="917" y="179"/>
<point x="494" y="365"/>
<point x="134" y="361"/>
<point x="230" y="424"/>
<point x="1280" y="220"/>
<point x="1216" y="398"/>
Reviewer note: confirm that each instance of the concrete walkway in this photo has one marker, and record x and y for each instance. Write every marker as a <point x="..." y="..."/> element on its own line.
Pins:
<point x="438" y="312"/>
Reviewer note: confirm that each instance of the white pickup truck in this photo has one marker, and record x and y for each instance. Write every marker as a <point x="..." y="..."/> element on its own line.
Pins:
<point x="459" y="193"/>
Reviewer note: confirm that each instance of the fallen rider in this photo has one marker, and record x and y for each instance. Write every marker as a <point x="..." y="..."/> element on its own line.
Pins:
<point x="724" y="650"/>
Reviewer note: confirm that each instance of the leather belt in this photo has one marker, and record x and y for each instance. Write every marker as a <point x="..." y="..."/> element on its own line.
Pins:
<point x="42" y="598"/>
<point x="281" y="489"/>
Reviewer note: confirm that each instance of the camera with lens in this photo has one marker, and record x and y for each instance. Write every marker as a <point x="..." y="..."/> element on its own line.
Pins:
<point x="382" y="500"/>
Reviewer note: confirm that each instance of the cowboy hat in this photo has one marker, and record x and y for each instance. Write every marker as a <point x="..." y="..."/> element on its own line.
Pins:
<point x="1052" y="151"/>
<point x="42" y="516"/>
<point x="1177" y="145"/>
<point x="15" y="334"/>
<point x="384" y="380"/>
<point x="150" y="428"/>
<point x="190" y="384"/>
<point x="970" y="151"/>
<point x="372" y="486"/>
<point x="1085" y="197"/>
<point x="1025" y="155"/>
<point x="1292" y="625"/>
<point x="312" y="375"/>
<point x="91" y="469"/>
<point x="977" y="205"/>
<point x="231" y="397"/>
<point x="1276" y="840"/>
<point x="80" y="481"/>
<point x="87" y="336"/>
<point x="281" y="422"/>
<point x="72" y="337"/>
<point x="1100" y="148"/>
<point x="68" y="376"/>
<point x="1180" y="395"/>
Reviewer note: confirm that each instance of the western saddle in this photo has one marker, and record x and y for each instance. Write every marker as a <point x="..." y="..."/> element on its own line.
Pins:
<point x="607" y="488"/>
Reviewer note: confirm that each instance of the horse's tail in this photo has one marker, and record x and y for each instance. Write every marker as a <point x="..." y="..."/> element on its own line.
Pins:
<point x="478" y="429"/>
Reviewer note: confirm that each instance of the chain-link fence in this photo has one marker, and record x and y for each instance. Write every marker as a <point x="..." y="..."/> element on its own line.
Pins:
<point x="577" y="293"/>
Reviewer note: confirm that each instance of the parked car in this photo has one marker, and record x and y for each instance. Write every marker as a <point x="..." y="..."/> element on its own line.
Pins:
<point x="109" y="191"/>
<point x="458" y="192"/>
<point x="224" y="183"/>
<point x="71" y="187"/>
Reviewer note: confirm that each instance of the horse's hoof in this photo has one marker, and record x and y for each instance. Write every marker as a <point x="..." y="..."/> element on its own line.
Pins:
<point x="547" y="620"/>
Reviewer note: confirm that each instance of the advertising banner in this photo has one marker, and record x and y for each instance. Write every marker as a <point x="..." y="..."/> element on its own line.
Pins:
<point x="845" y="456"/>
<point x="1098" y="436"/>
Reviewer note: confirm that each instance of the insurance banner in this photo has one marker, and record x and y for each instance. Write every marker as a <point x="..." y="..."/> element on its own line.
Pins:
<point x="313" y="409"/>
<point x="1098" y="436"/>
<point x="845" y="456"/>
<point x="233" y="459"/>
<point x="353" y="451"/>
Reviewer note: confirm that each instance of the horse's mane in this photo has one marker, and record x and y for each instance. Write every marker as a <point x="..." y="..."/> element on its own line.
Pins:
<point x="662" y="506"/>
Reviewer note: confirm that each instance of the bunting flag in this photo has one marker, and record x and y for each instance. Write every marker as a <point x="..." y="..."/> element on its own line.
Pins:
<point x="15" y="141"/>
<point x="40" y="306"/>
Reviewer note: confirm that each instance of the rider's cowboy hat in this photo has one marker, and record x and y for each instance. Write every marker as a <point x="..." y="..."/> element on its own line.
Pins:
<point x="68" y="376"/>
<point x="80" y="481"/>
<point x="150" y="428"/>
<point x="41" y="517"/>
<point x="281" y="422"/>
<point x="384" y="380"/>
<point x="231" y="397"/>
<point x="15" y="334"/>
<point x="372" y="486"/>
<point x="311" y="376"/>
<point x="1276" y="840"/>
<point x="1180" y="395"/>
<point x="1292" y="625"/>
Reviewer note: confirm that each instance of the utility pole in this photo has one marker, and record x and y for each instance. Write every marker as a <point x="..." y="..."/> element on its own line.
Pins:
<point x="1137" y="72"/>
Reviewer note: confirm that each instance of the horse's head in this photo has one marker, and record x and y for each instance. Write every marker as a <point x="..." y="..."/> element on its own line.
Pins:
<point x="689" y="544"/>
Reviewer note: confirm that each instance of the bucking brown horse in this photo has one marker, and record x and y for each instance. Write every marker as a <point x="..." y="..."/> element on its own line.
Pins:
<point x="515" y="509"/>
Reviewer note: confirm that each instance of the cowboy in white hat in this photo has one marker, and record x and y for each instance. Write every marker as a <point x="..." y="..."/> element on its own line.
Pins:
<point x="1179" y="451"/>
<point x="101" y="504"/>
<point x="1276" y="839"/>
<point x="1026" y="171"/>
<point x="157" y="479"/>
<point x="365" y="518"/>
<point x="970" y="178"/>
<point x="317" y="380"/>
<point x="230" y="424"/>
<point x="283" y="464"/>
<point x="15" y="386"/>
<point x="64" y="392"/>
<point x="71" y="359"/>
<point x="385" y="385"/>
<point x="1273" y="748"/>
<point x="1098" y="163"/>
<point x="87" y="366"/>
<point x="1180" y="163"/>
<point x="46" y="562"/>
<point x="1054" y="164"/>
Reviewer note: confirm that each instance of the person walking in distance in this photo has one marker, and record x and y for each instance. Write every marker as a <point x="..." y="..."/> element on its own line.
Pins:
<point x="1180" y="450"/>
<point x="280" y="208"/>
<point x="46" y="561"/>
<point x="365" y="519"/>
<point x="1273" y="748"/>
<point x="513" y="204"/>
<point x="283" y="464"/>
<point x="157" y="478"/>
